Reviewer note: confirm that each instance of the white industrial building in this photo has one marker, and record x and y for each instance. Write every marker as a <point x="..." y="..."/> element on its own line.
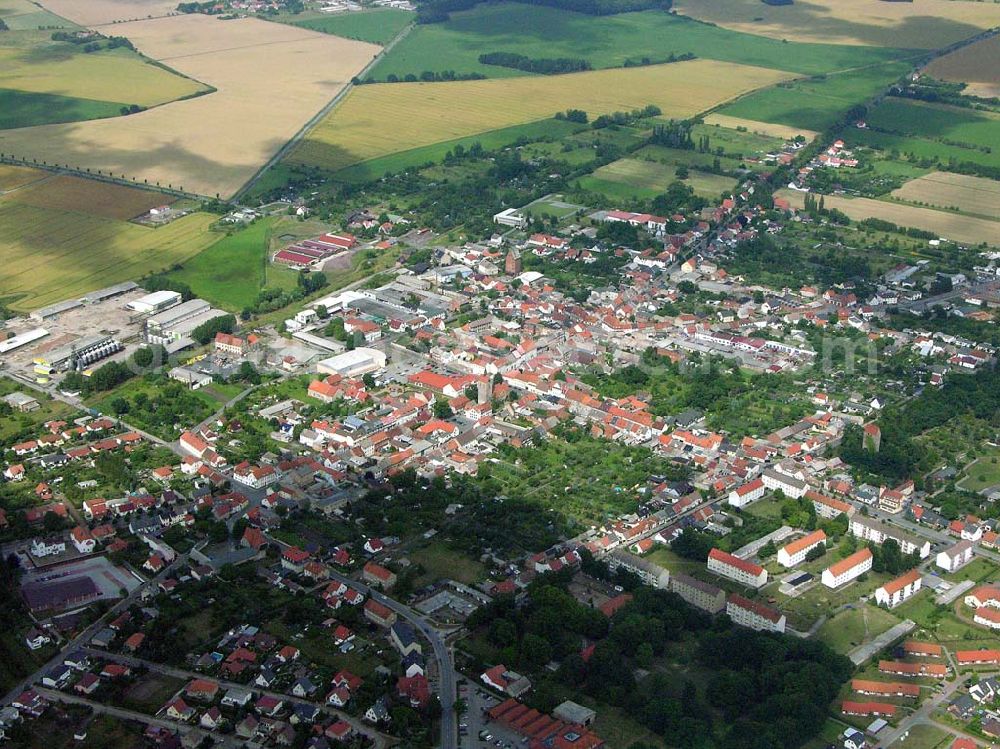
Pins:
<point x="155" y="302"/>
<point x="353" y="363"/>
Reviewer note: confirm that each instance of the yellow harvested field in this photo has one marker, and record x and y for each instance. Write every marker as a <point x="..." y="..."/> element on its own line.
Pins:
<point x="16" y="176"/>
<point x="271" y="79"/>
<point x="977" y="65"/>
<point x="48" y="255"/>
<point x="975" y="195"/>
<point x="771" y="129"/>
<point x="380" y="119"/>
<point x="97" y="12"/>
<point x="951" y="226"/>
<point x="121" y="78"/>
<point x="921" y="24"/>
<point x="65" y="193"/>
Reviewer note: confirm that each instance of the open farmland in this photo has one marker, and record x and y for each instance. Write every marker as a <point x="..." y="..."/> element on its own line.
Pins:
<point x="955" y="125"/>
<point x="920" y="24"/>
<point x="377" y="120"/>
<point x="815" y="103"/>
<point x="647" y="179"/>
<point x="604" y="41"/>
<point x="65" y="193"/>
<point x="972" y="195"/>
<point x="24" y="14"/>
<point x="978" y="65"/>
<point x="30" y="61"/>
<point x="12" y="177"/>
<point x="47" y="255"/>
<point x="771" y="129"/>
<point x="97" y="12"/>
<point x="376" y="26"/>
<point x="951" y="226"/>
<point x="213" y="143"/>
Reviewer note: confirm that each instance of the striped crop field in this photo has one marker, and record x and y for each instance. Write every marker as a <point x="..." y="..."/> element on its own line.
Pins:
<point x="377" y="120"/>
<point x="953" y="226"/>
<point x="47" y="254"/>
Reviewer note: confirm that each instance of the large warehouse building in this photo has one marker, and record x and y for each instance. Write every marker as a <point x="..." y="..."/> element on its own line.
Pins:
<point x="353" y="363"/>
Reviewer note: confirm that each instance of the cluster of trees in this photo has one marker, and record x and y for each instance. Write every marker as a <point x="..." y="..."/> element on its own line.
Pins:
<point x="879" y="224"/>
<point x="427" y="76"/>
<point x="673" y="134"/>
<point x="164" y="283"/>
<point x="678" y="198"/>
<point x="543" y="65"/>
<point x="113" y="374"/>
<point x="170" y="403"/>
<point x="764" y="691"/>
<point x="438" y="11"/>
<point x="573" y="115"/>
<point x="207" y="330"/>
<point x="901" y="455"/>
<point x="626" y="118"/>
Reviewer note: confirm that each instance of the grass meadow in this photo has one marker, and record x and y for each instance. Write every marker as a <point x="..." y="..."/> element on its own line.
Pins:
<point x="378" y="120"/>
<point x="375" y="26"/>
<point x="814" y="103"/>
<point x="636" y="178"/>
<point x="605" y="41"/>
<point x="970" y="128"/>
<point x="232" y="271"/>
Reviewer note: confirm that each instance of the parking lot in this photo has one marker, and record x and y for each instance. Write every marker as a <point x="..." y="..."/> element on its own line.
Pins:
<point x="475" y="723"/>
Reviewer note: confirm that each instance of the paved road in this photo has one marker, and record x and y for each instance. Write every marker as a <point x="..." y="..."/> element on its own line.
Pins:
<point x="285" y="149"/>
<point x="84" y="637"/>
<point x="445" y="663"/>
<point x="223" y="740"/>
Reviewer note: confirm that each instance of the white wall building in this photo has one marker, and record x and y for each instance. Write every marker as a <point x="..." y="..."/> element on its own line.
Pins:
<point x="795" y="552"/>
<point x="848" y="569"/>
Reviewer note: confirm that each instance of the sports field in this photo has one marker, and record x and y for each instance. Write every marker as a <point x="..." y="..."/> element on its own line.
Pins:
<point x="214" y="143"/>
<point x="951" y="226"/>
<point x="376" y="26"/>
<point x="973" y="195"/>
<point x="772" y="129"/>
<point x="604" y="41"/>
<point x="978" y="65"/>
<point x="920" y="24"/>
<point x="378" y="120"/>
<point x="47" y="255"/>
<point x="815" y="103"/>
<point x="96" y="12"/>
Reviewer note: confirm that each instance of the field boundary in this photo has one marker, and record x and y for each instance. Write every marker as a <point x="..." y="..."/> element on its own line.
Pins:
<point x="282" y="152"/>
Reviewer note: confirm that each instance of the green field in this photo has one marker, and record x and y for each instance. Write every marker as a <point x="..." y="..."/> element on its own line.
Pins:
<point x="924" y="737"/>
<point x="441" y="563"/>
<point x="231" y="272"/>
<point x="376" y="26"/>
<point x="634" y="178"/>
<point x="933" y="132"/>
<point x="984" y="473"/>
<point x="43" y="81"/>
<point x="25" y="108"/>
<point x="373" y="169"/>
<point x="932" y="121"/>
<point x="854" y="627"/>
<point x="815" y="103"/>
<point x="606" y="41"/>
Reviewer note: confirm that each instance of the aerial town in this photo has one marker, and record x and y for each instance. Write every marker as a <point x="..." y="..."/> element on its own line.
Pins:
<point x="669" y="421"/>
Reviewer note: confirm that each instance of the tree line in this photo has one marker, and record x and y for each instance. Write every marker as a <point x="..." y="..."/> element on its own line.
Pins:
<point x="542" y="65"/>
